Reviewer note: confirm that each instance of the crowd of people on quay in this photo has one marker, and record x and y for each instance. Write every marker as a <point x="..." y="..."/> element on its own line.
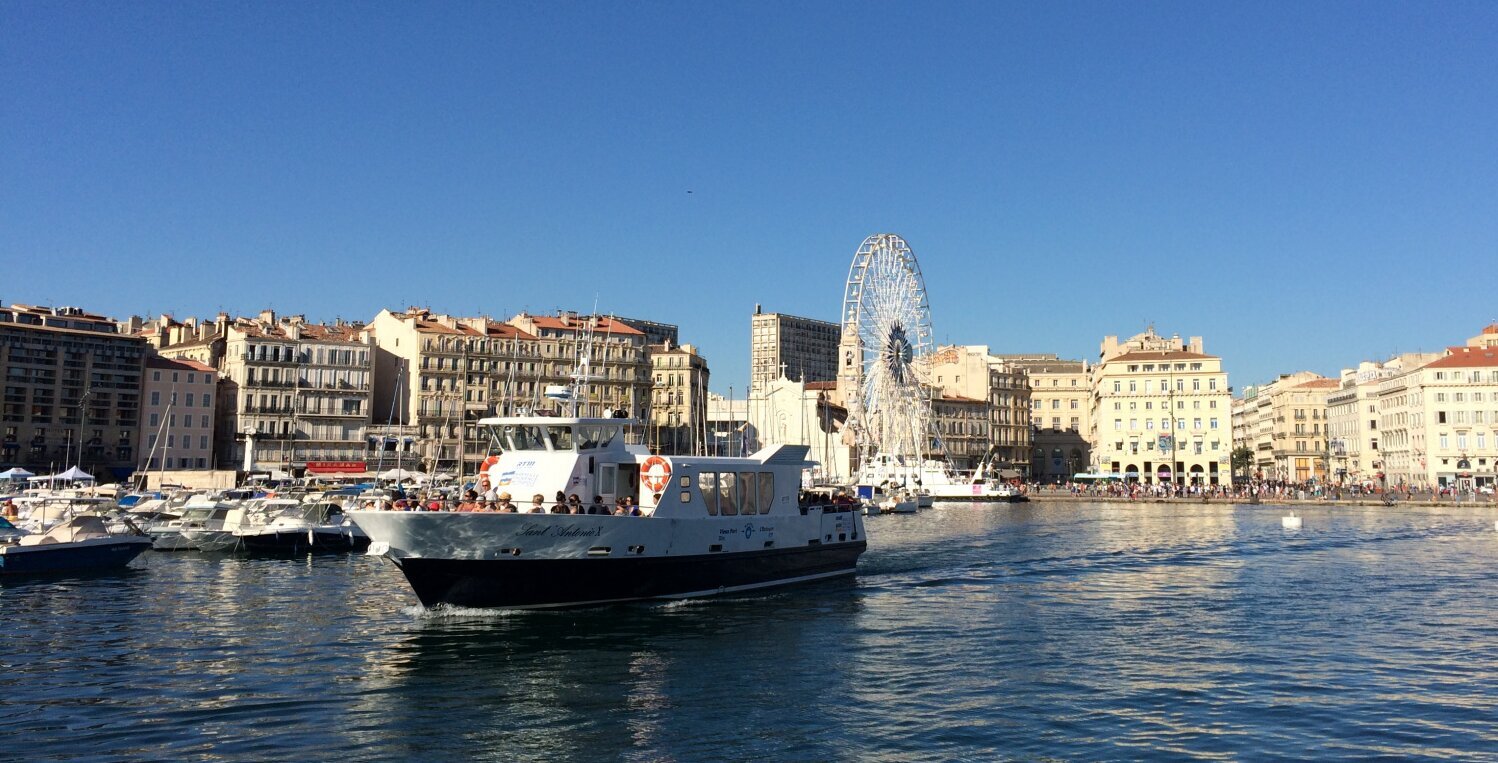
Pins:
<point x="1262" y="490"/>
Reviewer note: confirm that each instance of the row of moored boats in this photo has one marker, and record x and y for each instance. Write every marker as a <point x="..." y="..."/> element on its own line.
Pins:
<point x="61" y="531"/>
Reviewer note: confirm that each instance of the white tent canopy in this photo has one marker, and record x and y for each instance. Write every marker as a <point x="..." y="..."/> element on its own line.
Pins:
<point x="73" y="474"/>
<point x="16" y="473"/>
<point x="399" y="474"/>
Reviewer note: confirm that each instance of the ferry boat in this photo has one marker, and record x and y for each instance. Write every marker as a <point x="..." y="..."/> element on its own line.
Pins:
<point x="707" y="525"/>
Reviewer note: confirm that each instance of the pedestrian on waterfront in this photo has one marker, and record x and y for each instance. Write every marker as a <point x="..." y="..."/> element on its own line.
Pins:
<point x="538" y="504"/>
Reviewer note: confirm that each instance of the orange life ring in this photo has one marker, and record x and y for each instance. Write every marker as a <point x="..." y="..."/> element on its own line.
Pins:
<point x="488" y="462"/>
<point x="655" y="474"/>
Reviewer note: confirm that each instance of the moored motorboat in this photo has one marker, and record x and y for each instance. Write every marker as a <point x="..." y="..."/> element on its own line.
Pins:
<point x="707" y="525"/>
<point x="78" y="544"/>
<point x="296" y="527"/>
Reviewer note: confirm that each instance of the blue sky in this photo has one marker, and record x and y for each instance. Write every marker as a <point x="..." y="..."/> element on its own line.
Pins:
<point x="1303" y="184"/>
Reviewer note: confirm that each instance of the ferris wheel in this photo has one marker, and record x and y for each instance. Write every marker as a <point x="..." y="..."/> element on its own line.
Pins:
<point x="885" y="308"/>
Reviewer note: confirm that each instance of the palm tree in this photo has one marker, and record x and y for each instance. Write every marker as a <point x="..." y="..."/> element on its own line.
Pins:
<point x="1243" y="460"/>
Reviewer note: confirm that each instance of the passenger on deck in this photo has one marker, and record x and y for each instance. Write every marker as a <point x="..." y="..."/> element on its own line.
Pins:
<point x="538" y="504"/>
<point x="574" y="504"/>
<point x="470" y="502"/>
<point x="620" y="510"/>
<point x="505" y="507"/>
<point x="630" y="509"/>
<point x="597" y="507"/>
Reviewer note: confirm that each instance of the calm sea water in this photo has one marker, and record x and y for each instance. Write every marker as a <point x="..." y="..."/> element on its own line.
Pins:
<point x="1062" y="631"/>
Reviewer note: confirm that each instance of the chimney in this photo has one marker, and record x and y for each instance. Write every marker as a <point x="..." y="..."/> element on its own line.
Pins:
<point x="268" y="317"/>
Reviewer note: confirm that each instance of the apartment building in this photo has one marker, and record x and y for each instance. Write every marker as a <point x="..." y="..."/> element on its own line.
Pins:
<point x="678" y="399"/>
<point x="788" y="346"/>
<point x="72" y="391"/>
<point x="1060" y="414"/>
<point x="178" y="401"/>
<point x="1161" y="411"/>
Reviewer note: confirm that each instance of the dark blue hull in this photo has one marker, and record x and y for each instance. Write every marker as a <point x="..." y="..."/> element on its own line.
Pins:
<point x="532" y="583"/>
<point x="66" y="557"/>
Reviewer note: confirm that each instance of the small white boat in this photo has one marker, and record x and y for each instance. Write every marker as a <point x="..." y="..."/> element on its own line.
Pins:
<point x="900" y="503"/>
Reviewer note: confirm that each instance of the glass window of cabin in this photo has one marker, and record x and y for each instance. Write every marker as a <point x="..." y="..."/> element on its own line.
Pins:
<point x="587" y="437"/>
<point x="609" y="433"/>
<point x="561" y="437"/>
<point x="730" y="494"/>
<point x="707" y="485"/>
<point x="748" y="492"/>
<point x="766" y="491"/>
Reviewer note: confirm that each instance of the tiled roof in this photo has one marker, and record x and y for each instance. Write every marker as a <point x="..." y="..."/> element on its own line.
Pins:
<point x="178" y="364"/>
<point x="1319" y="384"/>
<point x="605" y="325"/>
<point x="821" y="385"/>
<point x="1467" y="357"/>
<point x="506" y="331"/>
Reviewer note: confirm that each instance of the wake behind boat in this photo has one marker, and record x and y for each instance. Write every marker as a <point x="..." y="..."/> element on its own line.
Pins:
<point x="709" y="525"/>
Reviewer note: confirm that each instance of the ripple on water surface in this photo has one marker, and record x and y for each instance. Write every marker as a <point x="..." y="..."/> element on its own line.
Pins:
<point x="1094" y="631"/>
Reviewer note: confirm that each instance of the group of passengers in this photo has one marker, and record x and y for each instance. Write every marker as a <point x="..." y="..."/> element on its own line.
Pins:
<point x="564" y="504"/>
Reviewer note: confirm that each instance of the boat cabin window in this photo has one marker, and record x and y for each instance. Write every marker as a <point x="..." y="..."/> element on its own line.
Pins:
<point x="707" y="485"/>
<point x="595" y="435"/>
<point x="748" y="490"/>
<point x="560" y="437"/>
<point x="766" y="491"/>
<point x="734" y="493"/>
<point x="730" y="494"/>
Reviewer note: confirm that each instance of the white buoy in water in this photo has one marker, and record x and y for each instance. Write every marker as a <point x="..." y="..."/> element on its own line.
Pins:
<point x="1291" y="522"/>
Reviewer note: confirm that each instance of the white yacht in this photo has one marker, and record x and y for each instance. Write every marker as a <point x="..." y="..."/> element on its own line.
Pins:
<point x="297" y="527"/>
<point x="932" y="478"/>
<point x="708" y="525"/>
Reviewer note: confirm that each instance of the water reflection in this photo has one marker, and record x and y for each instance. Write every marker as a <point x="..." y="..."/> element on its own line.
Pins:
<point x="973" y="632"/>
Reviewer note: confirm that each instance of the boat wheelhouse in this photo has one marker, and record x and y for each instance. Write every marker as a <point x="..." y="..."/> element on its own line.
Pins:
<point x="709" y="524"/>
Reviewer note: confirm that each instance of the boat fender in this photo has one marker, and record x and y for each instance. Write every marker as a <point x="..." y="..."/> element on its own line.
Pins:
<point x="655" y="473"/>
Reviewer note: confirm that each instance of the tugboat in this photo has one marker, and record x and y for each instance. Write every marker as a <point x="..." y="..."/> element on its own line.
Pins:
<point x="705" y="525"/>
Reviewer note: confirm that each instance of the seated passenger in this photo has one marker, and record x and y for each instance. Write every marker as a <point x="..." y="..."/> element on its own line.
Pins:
<point x="504" y="505"/>
<point x="538" y="504"/>
<point x="620" y="510"/>
<point x="574" y="504"/>
<point x="597" y="507"/>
